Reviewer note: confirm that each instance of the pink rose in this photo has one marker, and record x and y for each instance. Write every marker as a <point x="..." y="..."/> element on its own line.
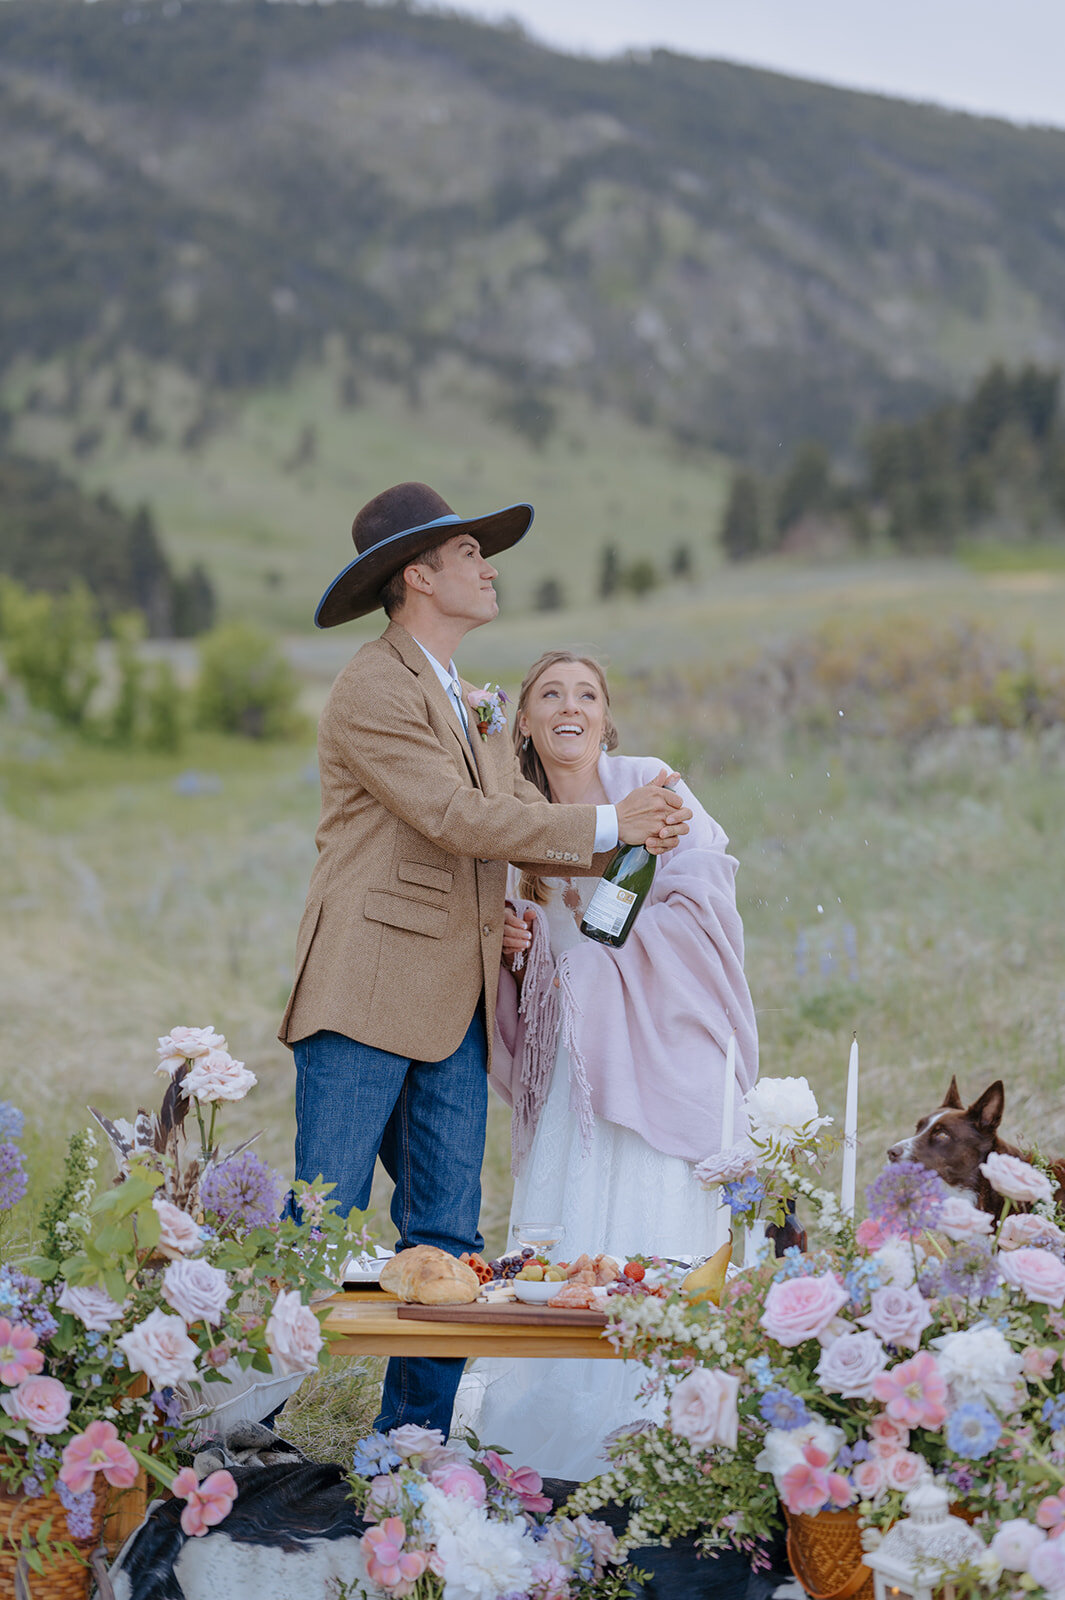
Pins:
<point x="868" y="1478"/>
<point x="93" y="1306"/>
<point x="216" y="1076"/>
<point x="1028" y="1228"/>
<point x="186" y="1044"/>
<point x="960" y="1219"/>
<point x="179" y="1234"/>
<point x="293" y="1334"/>
<point x="460" y="1483"/>
<point x="1016" y="1179"/>
<point x="904" y="1469"/>
<point x="197" y="1291"/>
<point x="796" y="1309"/>
<point x="703" y="1408"/>
<point x="1046" y="1564"/>
<point x="410" y="1440"/>
<point x="19" y="1355"/>
<point x="98" y="1449"/>
<point x="887" y="1435"/>
<point x="898" y="1316"/>
<point x="161" y="1349"/>
<point x="43" y="1404"/>
<point x="1036" y="1273"/>
<point x="849" y="1365"/>
<point x="1039" y="1361"/>
<point x="385" y="1494"/>
<point x="1050" y="1514"/>
<point x="1014" y="1542"/>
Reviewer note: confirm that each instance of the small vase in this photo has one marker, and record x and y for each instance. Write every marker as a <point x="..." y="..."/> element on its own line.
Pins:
<point x="755" y="1242"/>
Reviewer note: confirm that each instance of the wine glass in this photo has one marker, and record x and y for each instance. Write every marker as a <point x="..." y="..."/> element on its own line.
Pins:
<point x="541" y="1237"/>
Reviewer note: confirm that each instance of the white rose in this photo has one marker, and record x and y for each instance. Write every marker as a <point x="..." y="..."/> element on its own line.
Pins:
<point x="197" y="1291"/>
<point x="1016" y="1179"/>
<point x="91" y="1305"/>
<point x="179" y="1234"/>
<point x="783" y="1111"/>
<point x="216" y="1076"/>
<point x="979" y="1363"/>
<point x="161" y="1349"/>
<point x="848" y="1366"/>
<point x="186" y="1044"/>
<point x="292" y="1333"/>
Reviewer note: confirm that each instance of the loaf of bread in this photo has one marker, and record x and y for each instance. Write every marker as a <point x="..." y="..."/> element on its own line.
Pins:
<point x="430" y="1277"/>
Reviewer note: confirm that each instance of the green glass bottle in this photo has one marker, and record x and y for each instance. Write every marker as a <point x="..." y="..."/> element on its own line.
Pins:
<point x="620" y="893"/>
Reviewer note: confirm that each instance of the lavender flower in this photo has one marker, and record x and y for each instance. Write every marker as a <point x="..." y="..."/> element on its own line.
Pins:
<point x="79" y="1509"/>
<point x="12" y="1175"/>
<point x="12" y="1121"/>
<point x="906" y="1198"/>
<point x="744" y="1194"/>
<point x="20" y="1301"/>
<point x="243" y="1192"/>
<point x="968" y="1269"/>
<point x="33" y="1486"/>
<point x="374" y="1455"/>
<point x="973" y="1430"/>
<point x="783" y="1409"/>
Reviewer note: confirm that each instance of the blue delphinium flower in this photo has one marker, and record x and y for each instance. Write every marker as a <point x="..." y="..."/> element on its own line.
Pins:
<point x="374" y="1455"/>
<point x="906" y="1198"/>
<point x="761" y="1371"/>
<point x="1054" y="1412"/>
<point x="783" y="1409"/>
<point x="973" y="1431"/>
<point x="744" y="1194"/>
<point x="12" y="1121"/>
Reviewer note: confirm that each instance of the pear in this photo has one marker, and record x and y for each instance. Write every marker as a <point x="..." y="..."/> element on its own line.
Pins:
<point x="707" y="1281"/>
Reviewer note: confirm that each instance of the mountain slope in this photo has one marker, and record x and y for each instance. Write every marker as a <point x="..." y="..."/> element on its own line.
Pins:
<point x="738" y="257"/>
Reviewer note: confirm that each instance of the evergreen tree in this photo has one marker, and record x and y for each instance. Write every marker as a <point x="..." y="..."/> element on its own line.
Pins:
<point x="609" y="572"/>
<point x="741" y="525"/>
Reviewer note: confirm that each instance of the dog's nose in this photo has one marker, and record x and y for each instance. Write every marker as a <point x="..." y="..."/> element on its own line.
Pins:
<point x="894" y="1152"/>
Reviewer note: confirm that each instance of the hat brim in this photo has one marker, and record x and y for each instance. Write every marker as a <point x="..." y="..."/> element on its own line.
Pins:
<point x="356" y="591"/>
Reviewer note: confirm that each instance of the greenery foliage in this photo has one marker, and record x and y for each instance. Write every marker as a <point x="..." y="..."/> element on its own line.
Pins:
<point x="246" y="685"/>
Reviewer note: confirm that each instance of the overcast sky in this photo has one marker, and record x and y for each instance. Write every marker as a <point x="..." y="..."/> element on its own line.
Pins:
<point x="1005" y="57"/>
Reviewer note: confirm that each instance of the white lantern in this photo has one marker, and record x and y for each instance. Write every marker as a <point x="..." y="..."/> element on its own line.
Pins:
<point x="914" y="1557"/>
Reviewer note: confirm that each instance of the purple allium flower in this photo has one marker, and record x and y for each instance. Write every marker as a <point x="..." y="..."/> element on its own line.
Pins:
<point x="79" y="1509"/>
<point x="973" y="1430"/>
<point x="12" y="1175"/>
<point x="906" y="1198"/>
<point x="968" y="1269"/>
<point x="243" y="1192"/>
<point x="12" y="1121"/>
<point x="783" y="1409"/>
<point x="744" y="1193"/>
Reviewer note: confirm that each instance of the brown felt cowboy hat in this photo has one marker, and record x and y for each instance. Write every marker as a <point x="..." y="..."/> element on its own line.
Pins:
<point x="393" y="529"/>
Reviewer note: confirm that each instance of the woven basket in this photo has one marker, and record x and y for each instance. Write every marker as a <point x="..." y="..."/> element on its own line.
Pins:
<point x="65" y="1577"/>
<point x="825" y="1552"/>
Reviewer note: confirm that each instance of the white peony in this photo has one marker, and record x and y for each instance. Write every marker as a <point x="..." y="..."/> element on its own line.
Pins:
<point x="980" y="1364"/>
<point x="783" y="1446"/>
<point x="783" y="1111"/>
<point x="895" y="1263"/>
<point x="486" y="1557"/>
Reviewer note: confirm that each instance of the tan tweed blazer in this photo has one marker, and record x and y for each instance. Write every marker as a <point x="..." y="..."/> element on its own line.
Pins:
<point x="403" y="926"/>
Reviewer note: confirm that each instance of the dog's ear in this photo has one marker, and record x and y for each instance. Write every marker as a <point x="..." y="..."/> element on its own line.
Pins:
<point x="986" y="1112"/>
<point x="952" y="1099"/>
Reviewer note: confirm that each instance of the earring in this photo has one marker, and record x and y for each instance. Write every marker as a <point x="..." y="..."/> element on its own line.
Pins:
<point x="525" y="742"/>
<point x="604" y="747"/>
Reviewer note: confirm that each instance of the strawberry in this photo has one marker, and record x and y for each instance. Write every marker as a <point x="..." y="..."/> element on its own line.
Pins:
<point x="634" y="1270"/>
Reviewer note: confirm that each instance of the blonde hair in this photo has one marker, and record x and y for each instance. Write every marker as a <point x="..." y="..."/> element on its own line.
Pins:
<point x="532" y="886"/>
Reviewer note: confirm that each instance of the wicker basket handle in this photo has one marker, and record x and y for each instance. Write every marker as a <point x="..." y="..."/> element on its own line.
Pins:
<point x="846" y="1592"/>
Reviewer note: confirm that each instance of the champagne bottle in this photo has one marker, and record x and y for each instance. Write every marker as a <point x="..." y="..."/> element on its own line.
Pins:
<point x="620" y="893"/>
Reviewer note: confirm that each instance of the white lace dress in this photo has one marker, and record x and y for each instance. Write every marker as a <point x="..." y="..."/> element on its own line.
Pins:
<point x="620" y="1196"/>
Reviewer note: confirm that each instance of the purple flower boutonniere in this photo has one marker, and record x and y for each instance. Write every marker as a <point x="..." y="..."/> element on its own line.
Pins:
<point x="487" y="706"/>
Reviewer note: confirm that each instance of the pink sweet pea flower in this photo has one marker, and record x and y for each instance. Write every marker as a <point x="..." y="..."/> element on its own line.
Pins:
<point x="914" y="1392"/>
<point x="19" y="1355"/>
<point x="522" y="1481"/>
<point x="1050" y="1514"/>
<point x="208" y="1503"/>
<point x="387" y="1563"/>
<point x="98" y="1449"/>
<point x="808" y="1486"/>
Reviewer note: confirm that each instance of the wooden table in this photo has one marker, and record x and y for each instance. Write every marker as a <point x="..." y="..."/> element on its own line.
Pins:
<point x="365" y="1323"/>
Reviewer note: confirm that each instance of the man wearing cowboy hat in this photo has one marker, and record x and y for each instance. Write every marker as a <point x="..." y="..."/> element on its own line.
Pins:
<point x="391" y="1014"/>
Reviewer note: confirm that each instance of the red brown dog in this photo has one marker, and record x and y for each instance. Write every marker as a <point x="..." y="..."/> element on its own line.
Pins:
<point x="954" y="1140"/>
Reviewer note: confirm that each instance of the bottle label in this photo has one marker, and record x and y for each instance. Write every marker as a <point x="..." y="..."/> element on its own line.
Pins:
<point x="608" y="908"/>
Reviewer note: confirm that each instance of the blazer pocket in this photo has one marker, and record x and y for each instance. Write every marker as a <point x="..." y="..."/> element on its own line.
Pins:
<point x="427" y="877"/>
<point x="396" y="911"/>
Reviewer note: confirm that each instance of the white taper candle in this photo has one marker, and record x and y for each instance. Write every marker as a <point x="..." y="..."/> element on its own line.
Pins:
<point x="850" y="1134"/>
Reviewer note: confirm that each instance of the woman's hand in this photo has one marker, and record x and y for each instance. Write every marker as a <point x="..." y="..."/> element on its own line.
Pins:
<point x="517" y="935"/>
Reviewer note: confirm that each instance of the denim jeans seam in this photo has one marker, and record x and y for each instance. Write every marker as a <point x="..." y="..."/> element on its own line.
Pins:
<point x="404" y="1102"/>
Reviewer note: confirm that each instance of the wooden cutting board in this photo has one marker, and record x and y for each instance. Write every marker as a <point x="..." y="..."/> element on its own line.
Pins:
<point x="513" y="1314"/>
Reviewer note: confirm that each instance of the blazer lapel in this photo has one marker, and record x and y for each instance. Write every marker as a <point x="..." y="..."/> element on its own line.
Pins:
<point x="414" y="657"/>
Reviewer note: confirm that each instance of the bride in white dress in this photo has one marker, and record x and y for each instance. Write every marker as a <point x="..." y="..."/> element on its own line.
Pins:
<point x="611" y="1117"/>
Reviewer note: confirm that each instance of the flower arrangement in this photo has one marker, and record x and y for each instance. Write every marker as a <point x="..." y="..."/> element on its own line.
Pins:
<point x="928" y="1342"/>
<point x="487" y="706"/>
<point x="182" y="1267"/>
<point x="462" y="1524"/>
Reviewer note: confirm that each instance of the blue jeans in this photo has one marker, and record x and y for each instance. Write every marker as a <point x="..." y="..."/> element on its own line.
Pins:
<point x="426" y="1120"/>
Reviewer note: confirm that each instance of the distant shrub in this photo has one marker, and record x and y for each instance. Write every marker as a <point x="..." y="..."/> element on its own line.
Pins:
<point x="640" y="577"/>
<point x="741" y="525"/>
<point x="49" y="644"/>
<point x="164" y="710"/>
<point x="549" y="596"/>
<point x="246" y="685"/>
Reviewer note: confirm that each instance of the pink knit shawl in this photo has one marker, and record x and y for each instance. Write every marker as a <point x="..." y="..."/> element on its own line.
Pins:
<point x="646" y="1027"/>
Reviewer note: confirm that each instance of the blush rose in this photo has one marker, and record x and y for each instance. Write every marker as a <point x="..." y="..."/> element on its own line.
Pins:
<point x="703" y="1408"/>
<point x="796" y="1309"/>
<point x="848" y="1366"/>
<point x="43" y="1404"/>
<point x="898" y="1316"/>
<point x="293" y="1335"/>
<point x="1015" y="1179"/>
<point x="161" y="1349"/>
<point x="1036" y="1273"/>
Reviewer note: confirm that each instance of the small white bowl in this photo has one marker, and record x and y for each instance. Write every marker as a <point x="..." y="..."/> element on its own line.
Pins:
<point x="533" y="1293"/>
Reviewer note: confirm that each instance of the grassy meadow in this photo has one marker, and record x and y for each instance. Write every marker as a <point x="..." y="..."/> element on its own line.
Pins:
<point x="910" y="890"/>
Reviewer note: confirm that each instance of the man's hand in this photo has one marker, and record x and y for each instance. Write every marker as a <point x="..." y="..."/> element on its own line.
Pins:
<point x="517" y="935"/>
<point x="653" y="816"/>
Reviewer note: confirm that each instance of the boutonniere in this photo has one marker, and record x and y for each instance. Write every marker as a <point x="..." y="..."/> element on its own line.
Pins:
<point x="487" y="706"/>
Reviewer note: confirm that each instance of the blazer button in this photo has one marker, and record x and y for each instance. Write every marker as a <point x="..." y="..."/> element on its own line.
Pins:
<point x="486" y="930"/>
